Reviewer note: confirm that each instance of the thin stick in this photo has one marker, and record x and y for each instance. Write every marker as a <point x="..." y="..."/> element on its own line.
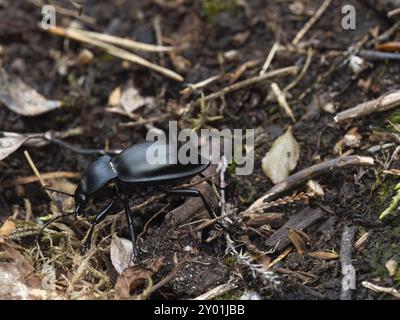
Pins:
<point x="217" y="291"/>
<point x="199" y="85"/>
<point x="115" y="51"/>
<point x="36" y="171"/>
<point x="125" y="43"/>
<point x="281" y="98"/>
<point x="374" y="55"/>
<point x="376" y="288"/>
<point x="308" y="173"/>
<point x="348" y="270"/>
<point x="393" y="13"/>
<point x="383" y="103"/>
<point x="248" y="82"/>
<point x="158" y="32"/>
<point x="270" y="56"/>
<point x="45" y="176"/>
<point x="164" y="281"/>
<point x="311" y="22"/>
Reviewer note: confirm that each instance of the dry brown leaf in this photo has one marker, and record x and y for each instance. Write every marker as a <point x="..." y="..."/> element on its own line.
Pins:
<point x="131" y="100"/>
<point x="7" y="228"/>
<point x="297" y="241"/>
<point x="132" y="278"/>
<point x="115" y="97"/>
<point x="324" y="255"/>
<point x="121" y="254"/>
<point x="21" y="98"/>
<point x="17" y="280"/>
<point x="281" y="158"/>
<point x="10" y="142"/>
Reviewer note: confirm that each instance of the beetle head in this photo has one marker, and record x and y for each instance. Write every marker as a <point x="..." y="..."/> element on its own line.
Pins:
<point x="81" y="197"/>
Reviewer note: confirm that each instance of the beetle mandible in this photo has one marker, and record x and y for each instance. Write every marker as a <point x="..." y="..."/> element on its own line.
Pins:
<point x="129" y="171"/>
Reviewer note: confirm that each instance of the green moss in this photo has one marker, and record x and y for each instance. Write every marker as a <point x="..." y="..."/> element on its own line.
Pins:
<point x="380" y="271"/>
<point x="228" y="296"/>
<point x="230" y="261"/>
<point x="212" y="8"/>
<point x="394" y="118"/>
<point x="384" y="193"/>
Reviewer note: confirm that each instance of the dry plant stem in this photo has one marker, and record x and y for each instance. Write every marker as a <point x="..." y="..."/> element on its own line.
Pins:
<point x="45" y="176"/>
<point x="303" y="71"/>
<point x="36" y="171"/>
<point x="346" y="248"/>
<point x="385" y="35"/>
<point x="311" y="22"/>
<point x="373" y="55"/>
<point x="151" y="219"/>
<point x="383" y="103"/>
<point x="125" y="43"/>
<point x="248" y="82"/>
<point x="308" y="173"/>
<point x="199" y="85"/>
<point x="280" y="97"/>
<point x="376" y="288"/>
<point x="394" y="12"/>
<point x="296" y="81"/>
<point x="158" y="32"/>
<point x="217" y="291"/>
<point x="270" y="56"/>
<point x="164" y="281"/>
<point x="114" y="51"/>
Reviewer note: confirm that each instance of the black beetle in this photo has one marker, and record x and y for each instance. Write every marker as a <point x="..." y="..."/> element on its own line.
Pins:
<point x="130" y="171"/>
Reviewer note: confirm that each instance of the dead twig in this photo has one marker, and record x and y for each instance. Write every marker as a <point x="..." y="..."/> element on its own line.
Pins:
<point x="164" y="281"/>
<point x="78" y="35"/>
<point x="394" y="12"/>
<point x="374" y="55"/>
<point x="217" y="291"/>
<point x="383" y="103"/>
<point x="348" y="271"/>
<point x="45" y="176"/>
<point x="281" y="98"/>
<point x="375" y="288"/>
<point x="308" y="173"/>
<point x="248" y="82"/>
<point x="270" y="56"/>
<point x="317" y="15"/>
<point x="125" y="43"/>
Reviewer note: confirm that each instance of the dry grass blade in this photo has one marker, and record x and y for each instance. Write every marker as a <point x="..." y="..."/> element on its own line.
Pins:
<point x="125" y="43"/>
<point x="78" y="35"/>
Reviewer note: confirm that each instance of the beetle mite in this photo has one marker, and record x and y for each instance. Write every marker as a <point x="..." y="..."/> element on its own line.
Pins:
<point x="130" y="170"/>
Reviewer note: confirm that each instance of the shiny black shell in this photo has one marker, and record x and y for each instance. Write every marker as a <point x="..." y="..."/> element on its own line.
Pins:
<point x="130" y="168"/>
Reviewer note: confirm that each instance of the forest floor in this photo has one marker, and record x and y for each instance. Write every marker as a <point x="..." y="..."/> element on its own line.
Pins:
<point x="231" y="40"/>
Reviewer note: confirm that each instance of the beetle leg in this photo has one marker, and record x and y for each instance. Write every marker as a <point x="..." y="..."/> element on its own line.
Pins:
<point x="189" y="193"/>
<point x="99" y="217"/>
<point x="132" y="230"/>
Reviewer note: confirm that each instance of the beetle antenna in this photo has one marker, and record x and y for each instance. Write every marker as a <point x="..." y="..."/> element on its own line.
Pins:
<point x="58" y="191"/>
